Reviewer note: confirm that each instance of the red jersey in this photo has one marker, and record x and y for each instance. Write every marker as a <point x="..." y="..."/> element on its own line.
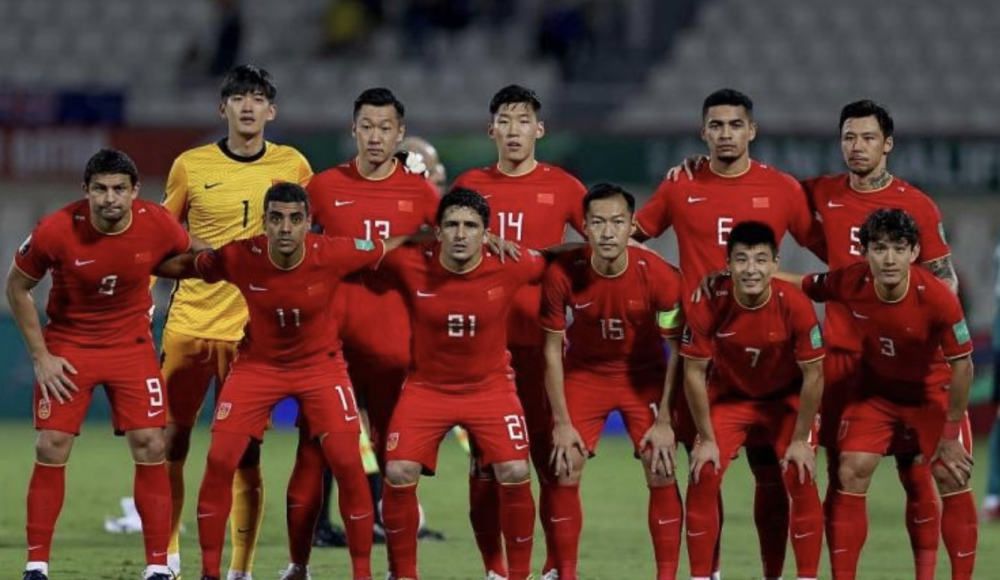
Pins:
<point x="459" y="320"/>
<point x="842" y="210"/>
<point x="905" y="343"/>
<point x="755" y="352"/>
<point x="290" y="316"/>
<point x="346" y="203"/>
<point x="100" y="282"/>
<point x="533" y="210"/>
<point x="704" y="210"/>
<point x="617" y="321"/>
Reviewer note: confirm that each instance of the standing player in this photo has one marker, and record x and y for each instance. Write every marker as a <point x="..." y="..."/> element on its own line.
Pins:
<point x="459" y="300"/>
<point x="912" y="330"/>
<point x="218" y="190"/>
<point x="101" y="252"/>
<point x="766" y="348"/>
<point x="532" y="203"/>
<point x="991" y="501"/>
<point x="625" y="301"/>
<point x="729" y="189"/>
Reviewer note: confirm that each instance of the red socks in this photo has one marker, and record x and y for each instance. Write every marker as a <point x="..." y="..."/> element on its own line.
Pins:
<point x="960" y="531"/>
<point x="566" y="521"/>
<point x="770" y="515"/>
<point x="354" y="498"/>
<point x="848" y="531"/>
<point x="484" y="513"/>
<point x="215" y="498"/>
<point x="703" y="520"/>
<point x="46" y="491"/>
<point x="304" y="499"/>
<point x="401" y="518"/>
<point x="665" y="517"/>
<point x="151" y="489"/>
<point x="806" y="524"/>
<point x="922" y="516"/>
<point x="517" y="520"/>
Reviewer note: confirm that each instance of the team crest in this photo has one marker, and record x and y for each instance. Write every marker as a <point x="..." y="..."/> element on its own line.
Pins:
<point x="223" y="412"/>
<point x="44" y="409"/>
<point x="393" y="441"/>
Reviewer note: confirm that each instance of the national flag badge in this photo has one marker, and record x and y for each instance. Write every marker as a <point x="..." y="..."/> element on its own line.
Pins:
<point x="223" y="411"/>
<point x="546" y="198"/>
<point x="761" y="202"/>
<point x="44" y="409"/>
<point x="495" y="293"/>
<point x="143" y="257"/>
<point x="405" y="205"/>
<point x="392" y="442"/>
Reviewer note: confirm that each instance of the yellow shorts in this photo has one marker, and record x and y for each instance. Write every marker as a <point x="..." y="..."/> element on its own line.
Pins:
<point x="189" y="364"/>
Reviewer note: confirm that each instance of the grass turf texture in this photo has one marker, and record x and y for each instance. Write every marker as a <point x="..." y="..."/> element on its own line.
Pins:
<point x="615" y="541"/>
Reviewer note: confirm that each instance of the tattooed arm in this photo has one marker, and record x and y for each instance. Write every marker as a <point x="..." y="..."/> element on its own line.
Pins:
<point x="944" y="269"/>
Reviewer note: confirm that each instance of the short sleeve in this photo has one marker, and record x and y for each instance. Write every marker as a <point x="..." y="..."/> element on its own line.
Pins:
<point x="175" y="198"/>
<point x="808" y="336"/>
<point x="530" y="268"/>
<point x="574" y="213"/>
<point x="176" y="239"/>
<point x="801" y="222"/>
<point x="956" y="341"/>
<point x="933" y="245"/>
<point x="214" y="265"/>
<point x="555" y="293"/>
<point x="305" y="172"/>
<point x="429" y="203"/>
<point x="666" y="290"/>
<point x="346" y="255"/>
<point x="696" y="340"/>
<point x="654" y="217"/>
<point x="34" y="256"/>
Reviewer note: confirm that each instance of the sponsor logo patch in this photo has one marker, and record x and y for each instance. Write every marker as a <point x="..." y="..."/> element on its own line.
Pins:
<point x="364" y="245"/>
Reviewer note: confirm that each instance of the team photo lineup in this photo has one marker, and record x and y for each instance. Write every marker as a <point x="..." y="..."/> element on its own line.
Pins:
<point x="514" y="308"/>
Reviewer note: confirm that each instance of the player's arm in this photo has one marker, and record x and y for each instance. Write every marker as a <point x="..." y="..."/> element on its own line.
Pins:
<point x="706" y="450"/>
<point x="660" y="439"/>
<point x="950" y="451"/>
<point x="800" y="451"/>
<point x="944" y="269"/>
<point x="50" y="370"/>
<point x="790" y="277"/>
<point x="565" y="437"/>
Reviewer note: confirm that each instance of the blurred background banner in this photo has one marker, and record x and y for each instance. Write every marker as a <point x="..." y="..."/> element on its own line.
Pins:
<point x="621" y="82"/>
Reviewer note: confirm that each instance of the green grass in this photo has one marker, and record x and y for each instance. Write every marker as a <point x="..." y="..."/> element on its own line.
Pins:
<point x="615" y="543"/>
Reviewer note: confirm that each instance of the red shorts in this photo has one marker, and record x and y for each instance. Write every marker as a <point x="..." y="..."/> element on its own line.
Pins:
<point x="841" y="370"/>
<point x="252" y="389"/>
<point x="528" y="363"/>
<point x="685" y="430"/>
<point x="771" y="421"/>
<point x="489" y="411"/>
<point x="131" y="379"/>
<point x="871" y="425"/>
<point x="590" y="400"/>
<point x="378" y="385"/>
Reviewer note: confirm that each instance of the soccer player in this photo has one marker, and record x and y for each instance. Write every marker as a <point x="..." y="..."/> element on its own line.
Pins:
<point x="532" y="203"/>
<point x="218" y="190"/>
<point x="731" y="188"/>
<point x="459" y="300"/>
<point x="625" y="301"/>
<point x="288" y="278"/>
<point x="101" y="251"/>
<point x="912" y="330"/>
<point x="991" y="501"/>
<point x="766" y="349"/>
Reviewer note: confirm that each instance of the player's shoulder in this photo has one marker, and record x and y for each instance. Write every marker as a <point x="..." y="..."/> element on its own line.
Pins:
<point x="559" y="175"/>
<point x="827" y="185"/>
<point x="201" y="153"/>
<point x="282" y="152"/>
<point x="571" y="261"/>
<point x="912" y="195"/>
<point x="929" y="287"/>
<point x="790" y="294"/>
<point x="774" y="177"/>
<point x="340" y="173"/>
<point x="477" y="175"/>
<point x="651" y="261"/>
<point x="854" y="276"/>
<point x="255" y="246"/>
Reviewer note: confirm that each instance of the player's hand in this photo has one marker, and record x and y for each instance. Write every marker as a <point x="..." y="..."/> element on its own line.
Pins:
<point x="565" y="439"/>
<point x="952" y="455"/>
<point x="708" y="285"/>
<point x="688" y="167"/>
<point x="801" y="455"/>
<point x="502" y="247"/>
<point x="704" y="452"/>
<point x="50" y="372"/>
<point x="662" y="444"/>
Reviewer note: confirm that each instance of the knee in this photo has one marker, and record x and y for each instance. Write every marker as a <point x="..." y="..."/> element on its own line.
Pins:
<point x="854" y="477"/>
<point x="148" y="445"/>
<point x="53" y="447"/>
<point x="177" y="442"/>
<point x="402" y="472"/>
<point x="512" y="471"/>
<point x="946" y="483"/>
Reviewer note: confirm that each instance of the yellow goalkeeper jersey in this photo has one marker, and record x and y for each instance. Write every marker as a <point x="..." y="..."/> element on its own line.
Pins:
<point x="221" y="197"/>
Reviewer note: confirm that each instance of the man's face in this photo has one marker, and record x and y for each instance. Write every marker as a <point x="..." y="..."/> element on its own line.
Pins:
<point x="752" y="268"/>
<point x="514" y="129"/>
<point x="247" y="113"/>
<point x="728" y="131"/>
<point x="110" y="196"/>
<point x="377" y="132"/>
<point x="286" y="224"/>
<point x="609" y="226"/>
<point x="890" y="260"/>
<point x="461" y="234"/>
<point x="863" y="145"/>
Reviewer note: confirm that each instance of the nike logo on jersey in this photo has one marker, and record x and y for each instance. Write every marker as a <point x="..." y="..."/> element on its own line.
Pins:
<point x="520" y="446"/>
<point x="79" y="262"/>
<point x="211" y="185"/>
<point x="724" y="334"/>
<point x="858" y="315"/>
<point x="422" y="294"/>
<point x="257" y="288"/>
<point x="582" y="306"/>
<point x="696" y="199"/>
<point x="339" y="203"/>
<point x="834" y="204"/>
<point x="154" y="413"/>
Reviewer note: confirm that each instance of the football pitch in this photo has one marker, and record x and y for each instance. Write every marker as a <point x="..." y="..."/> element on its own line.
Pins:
<point x="615" y="542"/>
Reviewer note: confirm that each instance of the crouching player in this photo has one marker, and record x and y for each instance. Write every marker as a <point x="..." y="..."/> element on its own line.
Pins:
<point x="766" y="379"/>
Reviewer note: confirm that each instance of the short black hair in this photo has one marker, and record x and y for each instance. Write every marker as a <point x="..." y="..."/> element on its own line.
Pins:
<point x="286" y="192"/>
<point x="892" y="224"/>
<point x="729" y="97"/>
<point x="379" y="97"/>
<point x="868" y="108"/>
<point x="462" y="197"/>
<point x="513" y="94"/>
<point x="110" y="161"/>
<point x="750" y="234"/>
<point x="248" y="79"/>
<point x="606" y="190"/>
